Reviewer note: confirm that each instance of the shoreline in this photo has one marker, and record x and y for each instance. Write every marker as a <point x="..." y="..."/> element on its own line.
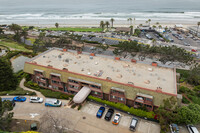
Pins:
<point x="95" y="23"/>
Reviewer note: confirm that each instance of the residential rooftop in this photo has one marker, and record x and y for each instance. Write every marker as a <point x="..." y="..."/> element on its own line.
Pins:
<point x="105" y="67"/>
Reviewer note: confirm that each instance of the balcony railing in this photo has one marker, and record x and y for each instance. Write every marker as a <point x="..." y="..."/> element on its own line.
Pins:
<point x="117" y="94"/>
<point x="117" y="100"/>
<point x="55" y="78"/>
<point x="58" y="85"/>
<point x="72" y="83"/>
<point x="73" y="89"/>
<point x="144" y="101"/>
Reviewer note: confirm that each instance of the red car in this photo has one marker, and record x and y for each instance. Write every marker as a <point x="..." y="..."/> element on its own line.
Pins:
<point x="193" y="50"/>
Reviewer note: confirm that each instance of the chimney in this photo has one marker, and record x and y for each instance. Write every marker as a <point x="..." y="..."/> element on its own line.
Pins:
<point x="79" y="52"/>
<point x="133" y="60"/>
<point x="92" y="54"/>
<point x="64" y="50"/>
<point x="154" y="64"/>
<point x="117" y="58"/>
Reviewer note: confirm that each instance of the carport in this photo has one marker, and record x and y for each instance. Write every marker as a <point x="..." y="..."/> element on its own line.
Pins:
<point x="81" y="95"/>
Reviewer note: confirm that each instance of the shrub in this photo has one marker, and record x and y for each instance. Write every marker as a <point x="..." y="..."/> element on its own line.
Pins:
<point x="184" y="89"/>
<point x="73" y="106"/>
<point x="184" y="100"/>
<point x="64" y="96"/>
<point x="79" y="107"/>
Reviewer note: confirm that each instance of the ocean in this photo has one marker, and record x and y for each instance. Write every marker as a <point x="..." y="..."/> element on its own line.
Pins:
<point x="93" y="11"/>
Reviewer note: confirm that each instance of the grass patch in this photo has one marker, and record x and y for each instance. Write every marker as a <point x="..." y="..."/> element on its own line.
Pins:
<point x="14" y="45"/>
<point x="18" y="91"/>
<point x="78" y="29"/>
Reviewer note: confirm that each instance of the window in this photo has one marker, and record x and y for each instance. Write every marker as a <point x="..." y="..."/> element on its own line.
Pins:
<point x="72" y="86"/>
<point x="85" y="84"/>
<point x="96" y="93"/>
<point x="55" y="82"/>
<point x="94" y="86"/>
<point x="73" y="81"/>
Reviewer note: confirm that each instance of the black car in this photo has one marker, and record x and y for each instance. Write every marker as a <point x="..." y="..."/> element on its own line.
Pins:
<point x="109" y="114"/>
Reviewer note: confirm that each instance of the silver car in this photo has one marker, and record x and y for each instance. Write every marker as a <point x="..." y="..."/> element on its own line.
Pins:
<point x="36" y="100"/>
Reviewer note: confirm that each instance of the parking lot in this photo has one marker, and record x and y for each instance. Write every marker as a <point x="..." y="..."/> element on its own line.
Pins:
<point x="143" y="126"/>
<point x="83" y="121"/>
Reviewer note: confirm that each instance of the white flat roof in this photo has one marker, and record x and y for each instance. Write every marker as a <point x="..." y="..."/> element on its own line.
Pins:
<point x="141" y="75"/>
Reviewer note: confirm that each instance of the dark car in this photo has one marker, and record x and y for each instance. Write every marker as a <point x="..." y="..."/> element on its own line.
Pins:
<point x="100" y="112"/>
<point x="109" y="114"/>
<point x="9" y="99"/>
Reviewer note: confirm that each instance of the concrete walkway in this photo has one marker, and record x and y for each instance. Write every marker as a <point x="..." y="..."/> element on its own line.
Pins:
<point x="25" y="88"/>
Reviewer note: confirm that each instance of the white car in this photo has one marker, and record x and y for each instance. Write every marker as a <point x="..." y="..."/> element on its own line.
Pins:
<point x="36" y="100"/>
<point x="192" y="129"/>
<point x="116" y="119"/>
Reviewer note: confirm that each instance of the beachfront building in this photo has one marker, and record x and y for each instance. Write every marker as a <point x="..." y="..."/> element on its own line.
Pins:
<point x="109" y="78"/>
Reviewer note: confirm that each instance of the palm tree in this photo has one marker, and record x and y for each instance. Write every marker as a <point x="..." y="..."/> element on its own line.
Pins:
<point x="131" y="30"/>
<point x="56" y="24"/>
<point x="24" y="33"/>
<point x="154" y="26"/>
<point x="198" y="27"/>
<point x="107" y="24"/>
<point x="149" y="22"/>
<point x="157" y="23"/>
<point x="140" y="25"/>
<point x="112" y="20"/>
<point x="160" y="26"/>
<point x="154" y="41"/>
<point x="130" y="19"/>
<point x="102" y="25"/>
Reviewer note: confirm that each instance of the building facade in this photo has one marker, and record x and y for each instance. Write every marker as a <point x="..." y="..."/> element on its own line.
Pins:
<point x="68" y="82"/>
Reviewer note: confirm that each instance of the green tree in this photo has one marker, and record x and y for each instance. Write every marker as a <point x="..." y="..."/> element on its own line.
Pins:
<point x="154" y="26"/>
<point x="107" y="24"/>
<point x="8" y="81"/>
<point x="189" y="114"/>
<point x="1" y="31"/>
<point x="157" y="23"/>
<point x="24" y="33"/>
<point x="112" y="20"/>
<point x="160" y="26"/>
<point x="149" y="22"/>
<point x="137" y="32"/>
<point x="194" y="76"/>
<point x="198" y="24"/>
<point x="130" y="20"/>
<point x="5" y="116"/>
<point x="17" y="29"/>
<point x="102" y="25"/>
<point x="56" y="24"/>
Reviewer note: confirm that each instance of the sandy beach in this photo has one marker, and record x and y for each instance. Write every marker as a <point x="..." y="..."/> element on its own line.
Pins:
<point x="95" y="23"/>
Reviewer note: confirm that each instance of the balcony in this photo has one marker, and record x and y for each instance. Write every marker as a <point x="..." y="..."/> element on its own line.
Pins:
<point x="117" y="100"/>
<point x="58" y="85"/>
<point x="39" y="75"/>
<point x="143" y="101"/>
<point x="73" y="89"/>
<point x="117" y="94"/>
<point x="55" y="78"/>
<point x="72" y="83"/>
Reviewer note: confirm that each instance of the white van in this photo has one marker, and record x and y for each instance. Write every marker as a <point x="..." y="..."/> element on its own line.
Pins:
<point x="192" y="129"/>
<point x="53" y="102"/>
<point x="133" y="124"/>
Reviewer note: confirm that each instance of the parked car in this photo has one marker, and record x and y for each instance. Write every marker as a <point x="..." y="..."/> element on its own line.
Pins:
<point x="133" y="124"/>
<point x="193" y="50"/>
<point x="9" y="99"/>
<point x="53" y="102"/>
<point x="109" y="114"/>
<point x="36" y="100"/>
<point x="174" y="128"/>
<point x="149" y="36"/>
<point x="100" y="112"/>
<point x="116" y="119"/>
<point x="186" y="44"/>
<point x="19" y="99"/>
<point x="192" y="129"/>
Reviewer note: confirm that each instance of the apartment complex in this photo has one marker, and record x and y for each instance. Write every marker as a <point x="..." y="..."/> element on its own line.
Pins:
<point x="109" y="78"/>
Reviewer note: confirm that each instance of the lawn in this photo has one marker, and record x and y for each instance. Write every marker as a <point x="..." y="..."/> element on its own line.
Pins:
<point x="18" y="91"/>
<point x="13" y="45"/>
<point x="78" y="29"/>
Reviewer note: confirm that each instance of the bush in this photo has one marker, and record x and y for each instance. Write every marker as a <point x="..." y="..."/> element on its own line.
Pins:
<point x="123" y="107"/>
<point x="79" y="107"/>
<point x="64" y="96"/>
<point x="73" y="106"/>
<point x="184" y="89"/>
<point x="184" y="100"/>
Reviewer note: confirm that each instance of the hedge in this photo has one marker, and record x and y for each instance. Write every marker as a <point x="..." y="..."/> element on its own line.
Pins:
<point x="123" y="107"/>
